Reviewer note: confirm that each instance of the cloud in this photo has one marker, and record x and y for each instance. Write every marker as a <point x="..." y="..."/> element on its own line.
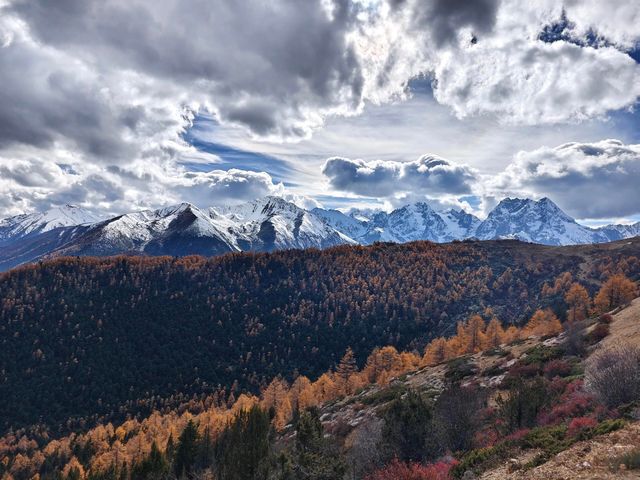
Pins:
<point x="488" y="58"/>
<point x="107" y="88"/>
<point x="39" y="185"/>
<point x="534" y="83"/>
<point x="428" y="176"/>
<point x="588" y="180"/>
<point x="271" y="66"/>
<point x="226" y="187"/>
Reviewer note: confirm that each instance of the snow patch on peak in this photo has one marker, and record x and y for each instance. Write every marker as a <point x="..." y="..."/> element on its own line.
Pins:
<point x="20" y="226"/>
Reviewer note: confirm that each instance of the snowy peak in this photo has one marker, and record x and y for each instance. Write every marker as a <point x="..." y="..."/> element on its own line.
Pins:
<point x="272" y="223"/>
<point x="539" y="221"/>
<point x="21" y="226"/>
<point x="349" y="225"/>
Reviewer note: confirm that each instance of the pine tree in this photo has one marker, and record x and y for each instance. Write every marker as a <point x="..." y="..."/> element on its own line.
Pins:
<point x="243" y="447"/>
<point x="314" y="457"/>
<point x="186" y="450"/>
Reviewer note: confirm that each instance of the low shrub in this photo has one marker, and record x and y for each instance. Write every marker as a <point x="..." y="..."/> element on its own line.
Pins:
<point x="600" y="331"/>
<point x="517" y="436"/>
<point x="384" y="395"/>
<point x="631" y="460"/>
<point x="613" y="375"/>
<point x="459" y="368"/>
<point x="608" y="426"/>
<point x="397" y="470"/>
<point x="605" y="318"/>
<point x="551" y="439"/>
<point x="574" y="402"/>
<point x="578" y="425"/>
<point x="495" y="352"/>
<point x="479" y="460"/>
<point x="557" y="368"/>
<point x="541" y="354"/>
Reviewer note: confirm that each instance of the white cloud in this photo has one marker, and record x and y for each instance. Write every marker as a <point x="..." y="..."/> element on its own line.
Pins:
<point x="428" y="176"/>
<point x="496" y="64"/>
<point x="108" y="87"/>
<point x="588" y="180"/>
<point x="531" y="83"/>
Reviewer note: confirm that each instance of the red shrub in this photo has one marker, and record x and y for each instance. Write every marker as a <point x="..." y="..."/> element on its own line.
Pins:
<point x="485" y="438"/>
<point x="557" y="386"/>
<point x="523" y="371"/>
<point x="580" y="424"/>
<point x="397" y="470"/>
<point x="517" y="435"/>
<point x="574" y="402"/>
<point x="605" y="318"/>
<point x="557" y="368"/>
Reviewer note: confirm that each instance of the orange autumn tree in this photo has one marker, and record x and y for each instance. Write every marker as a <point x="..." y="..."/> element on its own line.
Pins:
<point x="543" y="322"/>
<point x="473" y="335"/>
<point x="578" y="301"/>
<point x="494" y="334"/>
<point x="436" y="352"/>
<point x="345" y="373"/>
<point x="615" y="292"/>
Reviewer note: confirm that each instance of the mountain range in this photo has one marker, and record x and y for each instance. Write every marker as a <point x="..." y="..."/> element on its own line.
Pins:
<point x="272" y="223"/>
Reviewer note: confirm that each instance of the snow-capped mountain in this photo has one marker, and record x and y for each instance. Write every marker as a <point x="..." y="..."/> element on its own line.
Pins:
<point x="416" y="221"/>
<point x="177" y="230"/>
<point x="272" y="223"/>
<point x="537" y="222"/>
<point x="618" y="232"/>
<point x="266" y="224"/>
<point x="350" y="225"/>
<point x="25" y="225"/>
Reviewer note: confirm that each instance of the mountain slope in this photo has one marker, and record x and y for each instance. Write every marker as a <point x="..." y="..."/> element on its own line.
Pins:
<point x="272" y="223"/>
<point x="67" y="324"/>
<point x="22" y="226"/>
<point x="535" y="221"/>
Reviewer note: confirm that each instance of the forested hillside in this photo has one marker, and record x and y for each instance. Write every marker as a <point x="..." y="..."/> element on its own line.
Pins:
<point x="104" y="338"/>
<point x="468" y="404"/>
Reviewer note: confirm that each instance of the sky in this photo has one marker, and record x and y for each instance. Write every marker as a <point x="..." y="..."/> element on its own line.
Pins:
<point x="120" y="105"/>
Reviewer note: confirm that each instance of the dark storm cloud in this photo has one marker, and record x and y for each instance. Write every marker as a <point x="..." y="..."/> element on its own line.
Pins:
<point x="44" y="98"/>
<point x="445" y="18"/>
<point x="262" y="64"/>
<point x="429" y="175"/>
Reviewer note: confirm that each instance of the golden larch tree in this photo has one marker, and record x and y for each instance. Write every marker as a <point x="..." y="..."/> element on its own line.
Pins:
<point x="615" y="292"/>
<point x="578" y="301"/>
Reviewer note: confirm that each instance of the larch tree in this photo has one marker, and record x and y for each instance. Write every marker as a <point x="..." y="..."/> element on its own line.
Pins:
<point x="494" y="334"/>
<point x="346" y="368"/>
<point x="543" y="322"/>
<point x="615" y="292"/>
<point x="436" y="352"/>
<point x="474" y="334"/>
<point x="578" y="301"/>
